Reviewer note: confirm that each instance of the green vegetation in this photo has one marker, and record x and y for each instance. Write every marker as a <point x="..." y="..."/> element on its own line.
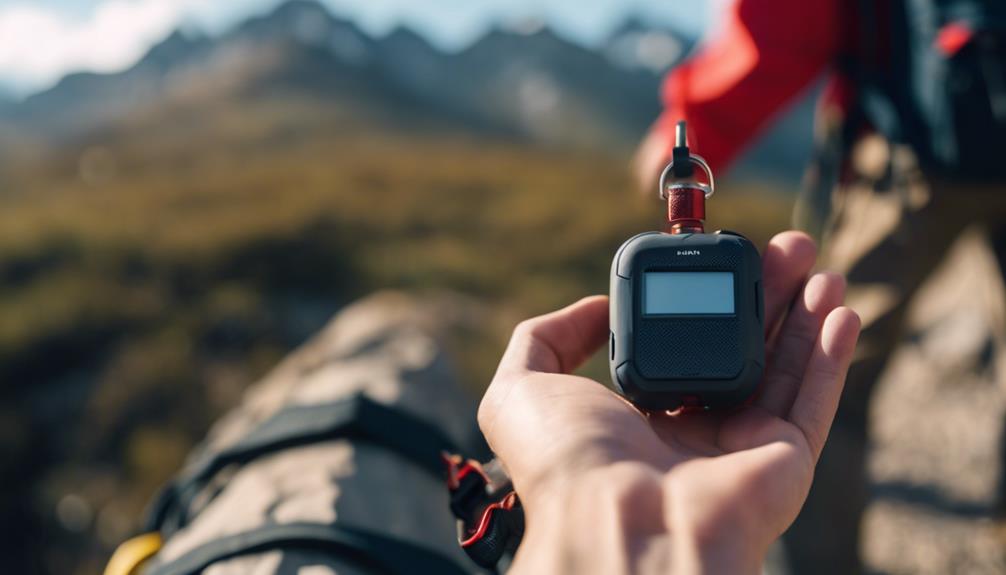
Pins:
<point x="145" y="280"/>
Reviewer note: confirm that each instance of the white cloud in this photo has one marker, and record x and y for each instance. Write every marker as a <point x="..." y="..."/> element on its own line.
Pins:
<point x="38" y="45"/>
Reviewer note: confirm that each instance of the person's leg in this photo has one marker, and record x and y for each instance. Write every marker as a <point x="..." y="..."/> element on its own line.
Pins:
<point x="997" y="239"/>
<point x="887" y="234"/>
<point x="390" y="348"/>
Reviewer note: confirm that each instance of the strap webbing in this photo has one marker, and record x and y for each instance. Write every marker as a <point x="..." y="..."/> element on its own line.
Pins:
<point x="356" y="417"/>
<point x="380" y="552"/>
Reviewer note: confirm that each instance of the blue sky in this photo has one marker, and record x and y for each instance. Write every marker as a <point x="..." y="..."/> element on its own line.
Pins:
<point x="41" y="40"/>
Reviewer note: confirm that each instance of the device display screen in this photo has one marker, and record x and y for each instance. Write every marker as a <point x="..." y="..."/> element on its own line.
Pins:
<point x="688" y="293"/>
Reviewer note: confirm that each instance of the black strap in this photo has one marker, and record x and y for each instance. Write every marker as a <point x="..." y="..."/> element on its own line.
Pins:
<point x="377" y="551"/>
<point x="356" y="417"/>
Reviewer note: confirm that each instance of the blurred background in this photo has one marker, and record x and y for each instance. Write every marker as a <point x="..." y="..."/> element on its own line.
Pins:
<point x="188" y="190"/>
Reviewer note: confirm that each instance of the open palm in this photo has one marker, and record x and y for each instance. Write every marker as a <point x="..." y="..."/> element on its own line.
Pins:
<point x="683" y="482"/>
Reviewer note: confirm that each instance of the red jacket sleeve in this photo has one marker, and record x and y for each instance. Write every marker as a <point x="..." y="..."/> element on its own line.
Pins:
<point x="767" y="52"/>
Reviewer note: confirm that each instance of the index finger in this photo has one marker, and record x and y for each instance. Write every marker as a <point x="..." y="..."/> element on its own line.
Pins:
<point x="789" y="257"/>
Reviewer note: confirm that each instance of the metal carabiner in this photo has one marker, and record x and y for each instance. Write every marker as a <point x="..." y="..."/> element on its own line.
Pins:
<point x="698" y="161"/>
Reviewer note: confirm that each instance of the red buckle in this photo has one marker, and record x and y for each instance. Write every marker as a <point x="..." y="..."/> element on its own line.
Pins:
<point x="506" y="504"/>
<point x="490" y="520"/>
<point x="458" y="468"/>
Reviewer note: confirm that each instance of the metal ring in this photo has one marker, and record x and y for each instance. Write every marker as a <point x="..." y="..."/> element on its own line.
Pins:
<point x="698" y="161"/>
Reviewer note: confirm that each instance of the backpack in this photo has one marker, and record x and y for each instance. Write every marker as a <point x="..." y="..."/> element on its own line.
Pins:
<point x="932" y="75"/>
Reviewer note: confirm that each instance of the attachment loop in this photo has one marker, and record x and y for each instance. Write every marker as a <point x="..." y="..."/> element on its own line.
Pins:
<point x="698" y="161"/>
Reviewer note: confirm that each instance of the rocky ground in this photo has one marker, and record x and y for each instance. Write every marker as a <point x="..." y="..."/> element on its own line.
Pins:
<point x="938" y="426"/>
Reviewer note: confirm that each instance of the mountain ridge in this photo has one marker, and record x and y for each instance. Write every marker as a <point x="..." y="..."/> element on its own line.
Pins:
<point x="529" y="84"/>
<point x="83" y="101"/>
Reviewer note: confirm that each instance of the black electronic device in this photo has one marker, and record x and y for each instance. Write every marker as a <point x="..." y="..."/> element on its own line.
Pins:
<point x="687" y="312"/>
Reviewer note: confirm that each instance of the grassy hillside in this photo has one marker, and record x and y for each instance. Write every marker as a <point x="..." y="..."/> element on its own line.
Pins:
<point x="148" y="274"/>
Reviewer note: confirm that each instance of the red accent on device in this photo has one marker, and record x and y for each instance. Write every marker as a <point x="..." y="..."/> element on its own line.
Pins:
<point x="686" y="210"/>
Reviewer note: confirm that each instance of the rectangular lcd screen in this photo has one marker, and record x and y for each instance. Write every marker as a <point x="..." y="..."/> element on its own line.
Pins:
<point x="688" y="293"/>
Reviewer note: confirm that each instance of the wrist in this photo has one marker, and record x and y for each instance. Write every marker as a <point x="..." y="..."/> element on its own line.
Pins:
<point x="608" y="520"/>
<point x="697" y="554"/>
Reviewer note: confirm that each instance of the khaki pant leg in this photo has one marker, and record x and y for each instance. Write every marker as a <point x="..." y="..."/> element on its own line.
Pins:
<point x="390" y="347"/>
<point x="887" y="234"/>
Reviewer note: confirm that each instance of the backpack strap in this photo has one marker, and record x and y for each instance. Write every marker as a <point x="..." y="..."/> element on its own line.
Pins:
<point x="356" y="417"/>
<point x="363" y="547"/>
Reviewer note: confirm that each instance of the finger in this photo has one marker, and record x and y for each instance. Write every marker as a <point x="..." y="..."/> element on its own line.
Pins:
<point x="558" y="342"/>
<point x="815" y="404"/>
<point x="795" y="342"/>
<point x="650" y="159"/>
<point x="788" y="260"/>
<point x="528" y="414"/>
<point x="553" y="343"/>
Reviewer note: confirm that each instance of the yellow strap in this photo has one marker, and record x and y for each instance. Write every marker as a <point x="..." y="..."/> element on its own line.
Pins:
<point x="132" y="554"/>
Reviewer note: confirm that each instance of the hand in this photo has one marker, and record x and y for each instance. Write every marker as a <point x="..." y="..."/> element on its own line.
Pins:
<point x="651" y="158"/>
<point x="608" y="488"/>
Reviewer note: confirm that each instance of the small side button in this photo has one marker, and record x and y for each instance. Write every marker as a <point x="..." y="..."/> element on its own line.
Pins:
<point x="621" y="376"/>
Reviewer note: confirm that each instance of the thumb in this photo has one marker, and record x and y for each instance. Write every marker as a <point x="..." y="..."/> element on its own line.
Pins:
<point x="521" y="414"/>
<point x="553" y="343"/>
<point x="558" y="342"/>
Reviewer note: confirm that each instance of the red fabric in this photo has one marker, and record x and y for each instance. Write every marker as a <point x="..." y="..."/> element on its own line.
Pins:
<point x="767" y="53"/>
<point x="953" y="37"/>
